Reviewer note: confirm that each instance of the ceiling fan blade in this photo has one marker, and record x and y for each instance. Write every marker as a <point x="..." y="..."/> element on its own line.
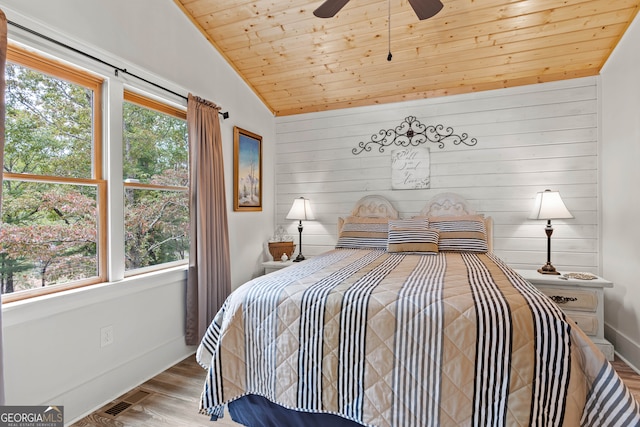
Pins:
<point x="329" y="8"/>
<point x="426" y="8"/>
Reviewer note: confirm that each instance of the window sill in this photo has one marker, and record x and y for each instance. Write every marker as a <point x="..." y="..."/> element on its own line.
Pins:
<point x="44" y="306"/>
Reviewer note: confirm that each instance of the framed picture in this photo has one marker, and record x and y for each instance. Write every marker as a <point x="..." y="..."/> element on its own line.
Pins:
<point x="247" y="170"/>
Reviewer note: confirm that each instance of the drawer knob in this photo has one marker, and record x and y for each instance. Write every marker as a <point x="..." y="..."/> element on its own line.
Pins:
<point x="559" y="299"/>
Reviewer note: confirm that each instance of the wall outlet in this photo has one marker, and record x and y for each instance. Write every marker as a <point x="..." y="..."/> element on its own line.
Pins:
<point x="106" y="336"/>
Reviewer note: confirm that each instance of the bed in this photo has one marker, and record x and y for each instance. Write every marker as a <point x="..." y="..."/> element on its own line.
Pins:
<point x="408" y="322"/>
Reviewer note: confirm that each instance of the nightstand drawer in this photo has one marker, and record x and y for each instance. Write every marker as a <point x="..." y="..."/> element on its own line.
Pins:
<point x="581" y="300"/>
<point x="588" y="323"/>
<point x="572" y="299"/>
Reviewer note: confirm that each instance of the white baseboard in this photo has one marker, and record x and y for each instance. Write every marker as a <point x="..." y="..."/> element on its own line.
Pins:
<point x="92" y="395"/>
<point x="626" y="349"/>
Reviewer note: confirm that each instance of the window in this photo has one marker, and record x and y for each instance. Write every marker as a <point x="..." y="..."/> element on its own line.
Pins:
<point x="54" y="231"/>
<point x="54" y="198"/>
<point x="156" y="179"/>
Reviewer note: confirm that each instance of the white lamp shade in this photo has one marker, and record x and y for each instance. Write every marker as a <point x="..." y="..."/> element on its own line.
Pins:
<point x="301" y="210"/>
<point x="549" y="205"/>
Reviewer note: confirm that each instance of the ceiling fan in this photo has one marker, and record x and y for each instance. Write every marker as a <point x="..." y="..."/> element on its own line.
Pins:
<point x="423" y="8"/>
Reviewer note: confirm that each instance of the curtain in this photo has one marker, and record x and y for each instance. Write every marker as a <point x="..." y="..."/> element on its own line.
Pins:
<point x="3" y="60"/>
<point x="209" y="276"/>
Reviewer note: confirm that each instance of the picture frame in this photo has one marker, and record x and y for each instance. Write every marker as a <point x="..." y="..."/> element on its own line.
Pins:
<point x="247" y="171"/>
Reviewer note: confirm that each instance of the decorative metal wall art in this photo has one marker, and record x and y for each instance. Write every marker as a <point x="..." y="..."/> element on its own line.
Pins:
<point x="413" y="133"/>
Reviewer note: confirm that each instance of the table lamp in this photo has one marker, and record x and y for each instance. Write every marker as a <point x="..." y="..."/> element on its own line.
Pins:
<point x="549" y="205"/>
<point x="300" y="210"/>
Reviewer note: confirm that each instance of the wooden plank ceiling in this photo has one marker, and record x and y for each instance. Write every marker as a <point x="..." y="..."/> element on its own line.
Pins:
<point x="297" y="63"/>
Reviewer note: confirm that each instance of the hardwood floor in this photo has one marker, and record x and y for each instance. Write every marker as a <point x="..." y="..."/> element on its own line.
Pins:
<point x="172" y="401"/>
<point x="173" y="396"/>
<point x="629" y="377"/>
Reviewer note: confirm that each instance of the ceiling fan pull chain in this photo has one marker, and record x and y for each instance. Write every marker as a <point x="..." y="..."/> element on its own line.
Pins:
<point x="389" y="56"/>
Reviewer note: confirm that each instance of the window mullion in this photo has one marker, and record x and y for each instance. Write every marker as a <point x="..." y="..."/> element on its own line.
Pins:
<point x="112" y="162"/>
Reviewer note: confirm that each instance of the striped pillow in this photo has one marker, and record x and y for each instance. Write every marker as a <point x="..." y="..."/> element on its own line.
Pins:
<point x="363" y="233"/>
<point x="461" y="233"/>
<point x="419" y="223"/>
<point x="415" y="240"/>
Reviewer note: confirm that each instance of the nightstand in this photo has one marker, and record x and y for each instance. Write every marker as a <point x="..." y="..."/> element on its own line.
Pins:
<point x="271" y="266"/>
<point x="581" y="300"/>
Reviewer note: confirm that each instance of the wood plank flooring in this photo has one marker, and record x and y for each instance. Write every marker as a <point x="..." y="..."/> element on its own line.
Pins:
<point x="174" y="396"/>
<point x="629" y="377"/>
<point x="174" y="399"/>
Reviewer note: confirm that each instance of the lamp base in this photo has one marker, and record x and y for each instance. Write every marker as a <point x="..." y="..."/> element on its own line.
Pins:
<point x="548" y="269"/>
<point x="299" y="258"/>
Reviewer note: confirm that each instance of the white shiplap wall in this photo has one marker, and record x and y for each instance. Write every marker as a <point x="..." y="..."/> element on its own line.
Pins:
<point x="529" y="138"/>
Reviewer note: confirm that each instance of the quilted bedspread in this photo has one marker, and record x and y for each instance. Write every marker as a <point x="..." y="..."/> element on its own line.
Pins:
<point x="403" y="340"/>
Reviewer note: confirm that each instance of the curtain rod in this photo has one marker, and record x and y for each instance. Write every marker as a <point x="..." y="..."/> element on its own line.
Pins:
<point x="225" y="114"/>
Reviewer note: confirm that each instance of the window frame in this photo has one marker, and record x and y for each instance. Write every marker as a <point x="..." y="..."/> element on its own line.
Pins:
<point x="98" y="83"/>
<point x="75" y="75"/>
<point x="164" y="108"/>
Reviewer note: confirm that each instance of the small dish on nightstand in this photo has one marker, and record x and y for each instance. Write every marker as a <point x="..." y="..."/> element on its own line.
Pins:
<point x="581" y="276"/>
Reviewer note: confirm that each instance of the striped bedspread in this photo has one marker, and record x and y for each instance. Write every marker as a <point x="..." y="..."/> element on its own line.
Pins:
<point x="386" y="339"/>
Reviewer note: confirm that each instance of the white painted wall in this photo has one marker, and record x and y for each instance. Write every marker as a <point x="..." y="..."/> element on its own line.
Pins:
<point x="620" y="198"/>
<point x="51" y="344"/>
<point x="529" y="139"/>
